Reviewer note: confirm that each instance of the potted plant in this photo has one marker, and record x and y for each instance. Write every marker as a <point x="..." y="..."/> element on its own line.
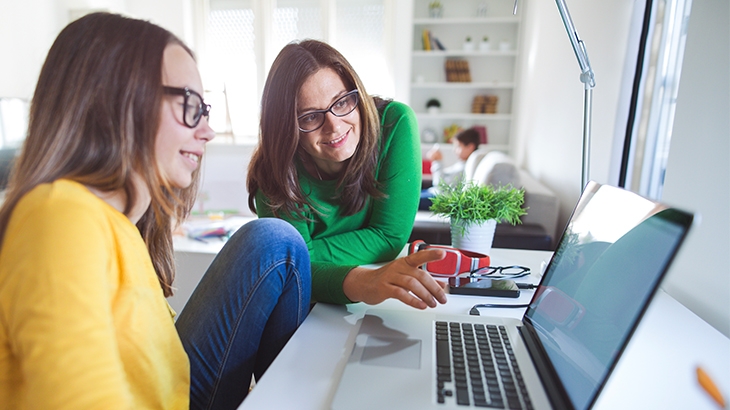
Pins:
<point x="504" y="45"/>
<point x="475" y="209"/>
<point x="484" y="45"/>
<point x="468" y="44"/>
<point x="435" y="9"/>
<point x="433" y="105"/>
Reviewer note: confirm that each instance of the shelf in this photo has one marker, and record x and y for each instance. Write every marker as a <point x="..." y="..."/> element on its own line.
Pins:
<point x="463" y="116"/>
<point x="464" y="53"/>
<point x="425" y="146"/>
<point x="458" y="85"/>
<point x="467" y="20"/>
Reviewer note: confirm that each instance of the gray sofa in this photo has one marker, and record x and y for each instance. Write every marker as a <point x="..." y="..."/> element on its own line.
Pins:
<point x="539" y="227"/>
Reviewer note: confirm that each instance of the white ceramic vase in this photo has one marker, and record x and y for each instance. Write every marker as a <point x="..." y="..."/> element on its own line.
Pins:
<point x="475" y="238"/>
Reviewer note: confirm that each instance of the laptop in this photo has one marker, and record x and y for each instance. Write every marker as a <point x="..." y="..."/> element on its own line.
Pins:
<point x="608" y="264"/>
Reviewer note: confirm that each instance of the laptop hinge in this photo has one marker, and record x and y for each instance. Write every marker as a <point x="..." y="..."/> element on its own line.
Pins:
<point x="551" y="383"/>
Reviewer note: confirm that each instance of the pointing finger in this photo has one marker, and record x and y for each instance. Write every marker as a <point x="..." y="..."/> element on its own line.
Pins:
<point x="429" y="255"/>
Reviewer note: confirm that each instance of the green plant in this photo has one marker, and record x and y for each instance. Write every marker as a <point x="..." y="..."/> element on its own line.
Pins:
<point x="433" y="103"/>
<point x="475" y="204"/>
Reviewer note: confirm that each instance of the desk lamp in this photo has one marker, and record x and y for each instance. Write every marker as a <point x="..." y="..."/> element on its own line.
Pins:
<point x="588" y="80"/>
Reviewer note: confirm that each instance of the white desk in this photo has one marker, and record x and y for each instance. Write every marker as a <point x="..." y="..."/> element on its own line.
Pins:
<point x="657" y="370"/>
<point x="192" y="259"/>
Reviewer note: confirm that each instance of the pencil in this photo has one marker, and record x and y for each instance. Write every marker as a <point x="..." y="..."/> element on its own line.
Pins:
<point x="709" y="386"/>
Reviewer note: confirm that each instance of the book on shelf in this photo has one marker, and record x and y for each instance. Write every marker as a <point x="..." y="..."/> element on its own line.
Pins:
<point x="484" y="104"/>
<point x="438" y="44"/>
<point x="457" y="70"/>
<point x="430" y="42"/>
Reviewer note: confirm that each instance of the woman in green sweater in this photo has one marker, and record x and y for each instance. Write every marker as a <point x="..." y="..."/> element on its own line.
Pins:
<point x="344" y="169"/>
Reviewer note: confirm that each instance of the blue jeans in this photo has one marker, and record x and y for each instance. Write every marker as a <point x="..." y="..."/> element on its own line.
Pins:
<point x="425" y="202"/>
<point x="251" y="300"/>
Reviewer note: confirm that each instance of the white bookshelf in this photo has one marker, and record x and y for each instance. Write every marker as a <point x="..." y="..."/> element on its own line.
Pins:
<point x="492" y="71"/>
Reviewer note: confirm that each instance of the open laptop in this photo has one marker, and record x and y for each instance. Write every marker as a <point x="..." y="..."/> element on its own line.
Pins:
<point x="608" y="264"/>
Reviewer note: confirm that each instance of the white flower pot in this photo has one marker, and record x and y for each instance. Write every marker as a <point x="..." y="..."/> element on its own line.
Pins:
<point x="436" y="12"/>
<point x="476" y="238"/>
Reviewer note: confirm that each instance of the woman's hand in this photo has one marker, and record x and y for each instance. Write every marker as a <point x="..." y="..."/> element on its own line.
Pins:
<point x="401" y="279"/>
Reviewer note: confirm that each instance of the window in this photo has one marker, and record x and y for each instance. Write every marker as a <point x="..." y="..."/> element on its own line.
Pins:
<point x="649" y="131"/>
<point x="237" y="40"/>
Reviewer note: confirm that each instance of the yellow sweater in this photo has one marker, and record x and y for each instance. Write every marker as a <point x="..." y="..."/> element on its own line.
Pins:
<point x="83" y="321"/>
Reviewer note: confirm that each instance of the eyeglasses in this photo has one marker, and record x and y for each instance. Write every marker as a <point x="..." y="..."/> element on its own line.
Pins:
<point x="501" y="272"/>
<point x="314" y="120"/>
<point x="194" y="108"/>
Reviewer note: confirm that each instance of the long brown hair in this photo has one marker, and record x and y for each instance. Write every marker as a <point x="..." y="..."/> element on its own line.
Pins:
<point x="273" y="164"/>
<point x="94" y="119"/>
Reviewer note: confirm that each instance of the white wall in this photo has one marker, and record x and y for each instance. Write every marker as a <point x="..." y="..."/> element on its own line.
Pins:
<point x="224" y="172"/>
<point x="698" y="174"/>
<point x="402" y="31"/>
<point x="28" y="28"/>
<point x="170" y="14"/>
<point x="548" y="134"/>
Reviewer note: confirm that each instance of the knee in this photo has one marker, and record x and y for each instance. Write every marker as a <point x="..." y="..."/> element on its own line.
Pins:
<point x="275" y="228"/>
<point x="265" y="234"/>
<point x="281" y="241"/>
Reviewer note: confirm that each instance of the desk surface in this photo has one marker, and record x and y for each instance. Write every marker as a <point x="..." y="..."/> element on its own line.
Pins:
<point x="656" y="371"/>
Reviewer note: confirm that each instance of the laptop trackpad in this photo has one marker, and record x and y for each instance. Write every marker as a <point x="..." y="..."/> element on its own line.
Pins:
<point x="392" y="352"/>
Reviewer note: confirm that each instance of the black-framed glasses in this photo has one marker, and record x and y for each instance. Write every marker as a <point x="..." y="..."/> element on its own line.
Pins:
<point x="194" y="108"/>
<point x="513" y="271"/>
<point x="313" y="120"/>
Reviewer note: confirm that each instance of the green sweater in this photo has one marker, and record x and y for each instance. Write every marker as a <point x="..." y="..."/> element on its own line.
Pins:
<point x="380" y="230"/>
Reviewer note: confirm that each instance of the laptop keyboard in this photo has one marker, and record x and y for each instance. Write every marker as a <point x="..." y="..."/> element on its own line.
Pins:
<point x="476" y="364"/>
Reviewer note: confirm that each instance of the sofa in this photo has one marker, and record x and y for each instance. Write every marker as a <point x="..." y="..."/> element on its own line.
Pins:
<point x="539" y="226"/>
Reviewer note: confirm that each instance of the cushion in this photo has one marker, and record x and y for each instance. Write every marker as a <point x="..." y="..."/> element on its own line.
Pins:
<point x="471" y="164"/>
<point x="497" y="169"/>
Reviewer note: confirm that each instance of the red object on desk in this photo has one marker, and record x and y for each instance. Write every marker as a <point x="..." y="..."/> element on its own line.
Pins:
<point x="455" y="262"/>
<point x="426" y="167"/>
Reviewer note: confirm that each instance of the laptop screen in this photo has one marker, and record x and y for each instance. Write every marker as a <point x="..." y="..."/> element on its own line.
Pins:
<point x="609" y="262"/>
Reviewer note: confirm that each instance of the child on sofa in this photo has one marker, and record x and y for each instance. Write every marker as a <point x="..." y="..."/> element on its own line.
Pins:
<point x="465" y="143"/>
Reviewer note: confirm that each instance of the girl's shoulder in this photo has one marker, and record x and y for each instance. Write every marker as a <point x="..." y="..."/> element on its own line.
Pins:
<point x="61" y="199"/>
<point x="62" y="191"/>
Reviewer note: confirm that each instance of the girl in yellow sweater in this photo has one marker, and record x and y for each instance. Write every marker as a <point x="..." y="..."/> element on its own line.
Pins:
<point x="117" y="129"/>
